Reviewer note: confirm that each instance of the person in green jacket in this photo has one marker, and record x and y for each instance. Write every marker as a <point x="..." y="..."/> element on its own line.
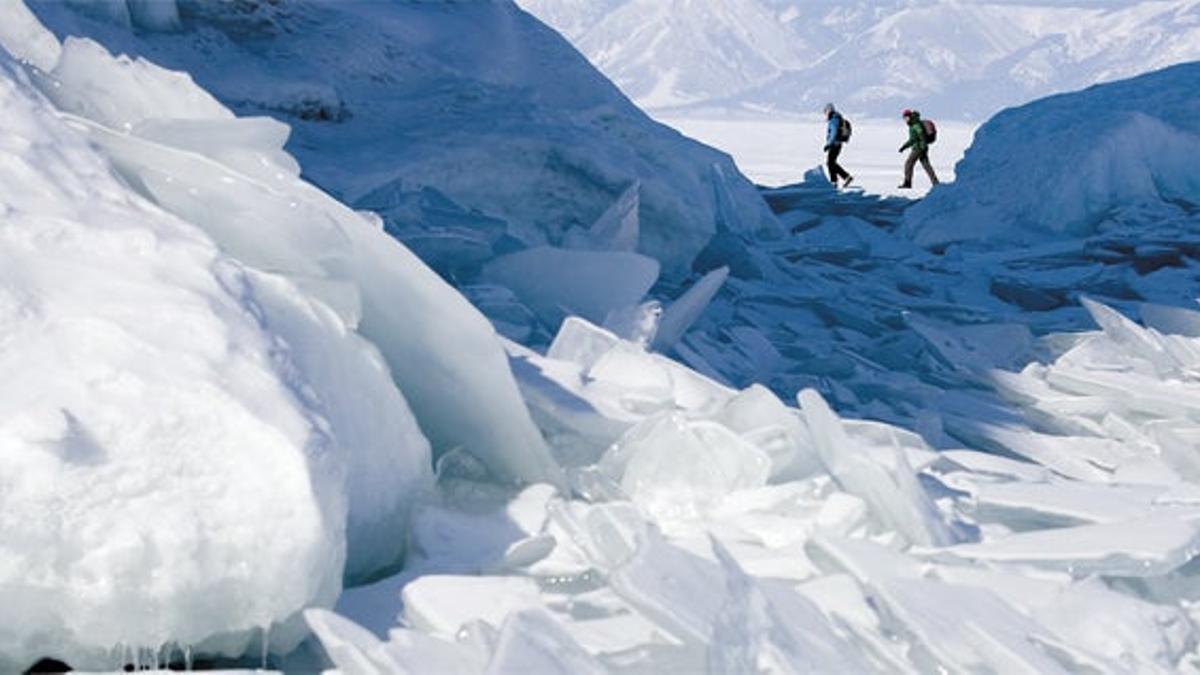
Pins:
<point x="920" y="149"/>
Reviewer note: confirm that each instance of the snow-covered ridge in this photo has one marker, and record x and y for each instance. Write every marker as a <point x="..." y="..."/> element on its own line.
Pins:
<point x="963" y="60"/>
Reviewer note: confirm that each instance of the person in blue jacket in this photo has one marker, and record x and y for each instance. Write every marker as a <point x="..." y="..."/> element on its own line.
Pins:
<point x="833" y="147"/>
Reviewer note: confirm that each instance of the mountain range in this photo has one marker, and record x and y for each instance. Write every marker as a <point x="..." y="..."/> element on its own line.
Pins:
<point x="964" y="59"/>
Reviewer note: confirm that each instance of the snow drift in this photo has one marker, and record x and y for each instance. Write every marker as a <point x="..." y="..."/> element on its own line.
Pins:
<point x="1073" y="164"/>
<point x="478" y="100"/>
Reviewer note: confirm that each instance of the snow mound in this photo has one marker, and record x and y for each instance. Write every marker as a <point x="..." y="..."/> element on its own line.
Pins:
<point x="170" y="480"/>
<point x="1068" y="164"/>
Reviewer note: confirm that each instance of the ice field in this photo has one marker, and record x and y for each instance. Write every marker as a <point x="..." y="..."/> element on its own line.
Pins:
<point x="773" y="151"/>
<point x="454" y="429"/>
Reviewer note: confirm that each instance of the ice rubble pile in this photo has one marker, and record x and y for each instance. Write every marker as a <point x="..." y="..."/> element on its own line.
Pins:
<point x="1071" y="164"/>
<point x="716" y="530"/>
<point x="200" y="441"/>
<point x="712" y="529"/>
<point x="477" y="103"/>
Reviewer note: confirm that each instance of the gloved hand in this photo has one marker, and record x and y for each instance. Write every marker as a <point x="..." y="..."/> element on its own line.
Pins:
<point x="827" y="148"/>
<point x="903" y="149"/>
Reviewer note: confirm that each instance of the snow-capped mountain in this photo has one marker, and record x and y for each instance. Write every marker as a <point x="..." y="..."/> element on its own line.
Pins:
<point x="666" y="53"/>
<point x="963" y="59"/>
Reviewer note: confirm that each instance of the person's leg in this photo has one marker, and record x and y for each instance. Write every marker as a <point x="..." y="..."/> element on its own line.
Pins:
<point x="928" y="167"/>
<point x="908" y="168"/>
<point x="831" y="163"/>
<point x="836" y="170"/>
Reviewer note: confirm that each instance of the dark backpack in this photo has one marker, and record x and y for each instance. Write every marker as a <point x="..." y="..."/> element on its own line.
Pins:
<point x="930" y="130"/>
<point x="844" y="129"/>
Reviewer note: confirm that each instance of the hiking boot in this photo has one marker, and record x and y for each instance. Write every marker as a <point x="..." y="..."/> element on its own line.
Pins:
<point x="847" y="183"/>
<point x="905" y="186"/>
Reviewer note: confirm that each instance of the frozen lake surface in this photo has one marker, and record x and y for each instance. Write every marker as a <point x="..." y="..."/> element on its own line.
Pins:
<point x="774" y="151"/>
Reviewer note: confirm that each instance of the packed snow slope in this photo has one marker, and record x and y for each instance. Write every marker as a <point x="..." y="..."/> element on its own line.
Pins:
<point x="1132" y="156"/>
<point x="962" y="60"/>
<point x="477" y="100"/>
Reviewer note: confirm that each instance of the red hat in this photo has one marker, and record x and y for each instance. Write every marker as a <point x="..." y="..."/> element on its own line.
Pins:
<point x="906" y="113"/>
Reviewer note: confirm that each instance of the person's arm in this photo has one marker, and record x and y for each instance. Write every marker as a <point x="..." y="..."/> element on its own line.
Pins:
<point x="831" y="132"/>
<point x="912" y="138"/>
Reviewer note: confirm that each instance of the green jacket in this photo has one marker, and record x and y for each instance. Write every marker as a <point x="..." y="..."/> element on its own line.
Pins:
<point x="916" y="134"/>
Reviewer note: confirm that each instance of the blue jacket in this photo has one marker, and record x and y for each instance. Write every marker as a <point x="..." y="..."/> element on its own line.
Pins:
<point x="831" y="134"/>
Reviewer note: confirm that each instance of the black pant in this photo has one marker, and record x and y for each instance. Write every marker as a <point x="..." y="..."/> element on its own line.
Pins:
<point x="836" y="172"/>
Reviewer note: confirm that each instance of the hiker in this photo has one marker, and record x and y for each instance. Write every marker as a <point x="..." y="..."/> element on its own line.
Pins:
<point x="838" y="132"/>
<point x="919" y="138"/>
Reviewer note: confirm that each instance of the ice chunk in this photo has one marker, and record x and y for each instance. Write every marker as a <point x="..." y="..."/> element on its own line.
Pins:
<point x="1019" y="504"/>
<point x="1171" y="320"/>
<point x="555" y="282"/>
<point x="687" y="308"/>
<point x="352" y="648"/>
<point x="637" y="324"/>
<point x="895" y="496"/>
<point x="1149" y="546"/>
<point x="252" y="145"/>
<point x="120" y="92"/>
<point x="678" y="468"/>
<point x="581" y="343"/>
<point x="533" y="641"/>
<point x="442" y="604"/>
<point x="615" y="230"/>
<point x="741" y="625"/>
<point x="761" y="418"/>
<point x="26" y="39"/>
<point x="949" y="626"/>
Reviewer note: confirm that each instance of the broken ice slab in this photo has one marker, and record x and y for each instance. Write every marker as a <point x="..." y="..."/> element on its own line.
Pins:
<point x="1149" y="546"/>
<point x="417" y="652"/>
<point x="687" y="308"/>
<point x="974" y="349"/>
<point x="441" y="604"/>
<point x="896" y="498"/>
<point x="718" y="608"/>
<point x="1171" y="320"/>
<point x="948" y="627"/>
<point x="617" y="229"/>
<point x="352" y="648"/>
<point x="618" y="633"/>
<point x="533" y="641"/>
<point x="591" y="537"/>
<point x="993" y="465"/>
<point x="1082" y="458"/>
<point x="557" y="282"/>
<point x="761" y="418"/>
<point x="1165" y="355"/>
<point x="581" y="343"/>
<point x="1022" y="506"/>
